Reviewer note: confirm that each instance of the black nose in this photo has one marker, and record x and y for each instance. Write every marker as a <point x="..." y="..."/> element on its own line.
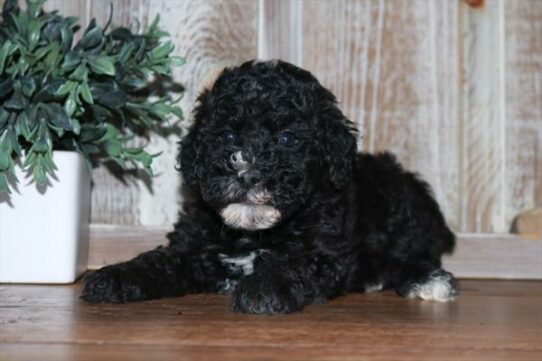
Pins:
<point x="238" y="162"/>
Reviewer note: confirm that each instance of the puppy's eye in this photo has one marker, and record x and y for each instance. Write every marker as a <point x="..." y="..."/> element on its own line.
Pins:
<point x="287" y="138"/>
<point x="228" y="137"/>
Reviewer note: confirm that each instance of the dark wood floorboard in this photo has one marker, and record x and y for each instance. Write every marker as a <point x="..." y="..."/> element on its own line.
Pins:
<point x="492" y="320"/>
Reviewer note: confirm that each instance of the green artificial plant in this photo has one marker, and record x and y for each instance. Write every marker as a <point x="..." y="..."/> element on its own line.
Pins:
<point x="92" y="96"/>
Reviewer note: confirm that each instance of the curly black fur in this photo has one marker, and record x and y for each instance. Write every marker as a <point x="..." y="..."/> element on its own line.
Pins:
<point x="282" y="221"/>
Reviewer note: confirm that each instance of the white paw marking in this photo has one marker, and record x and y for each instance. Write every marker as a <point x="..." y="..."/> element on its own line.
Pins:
<point x="374" y="287"/>
<point x="250" y="216"/>
<point x="228" y="286"/>
<point x="438" y="288"/>
<point x="243" y="263"/>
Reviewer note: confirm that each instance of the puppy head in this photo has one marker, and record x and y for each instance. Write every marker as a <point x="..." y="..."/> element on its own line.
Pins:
<point x="265" y="137"/>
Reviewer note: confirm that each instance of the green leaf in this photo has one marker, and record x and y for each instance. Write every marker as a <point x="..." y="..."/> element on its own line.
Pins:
<point x="145" y="159"/>
<point x="4" y="115"/>
<point x="161" y="51"/>
<point x="126" y="52"/>
<point x="101" y="64"/>
<point x="34" y="7"/>
<point x="66" y="88"/>
<point x="132" y="151"/>
<point x="44" y="142"/>
<point x="27" y="124"/>
<point x="5" y="151"/>
<point x="48" y="163"/>
<point x="76" y="126"/>
<point x="113" y="148"/>
<point x="177" y="60"/>
<point x="80" y="73"/>
<point x="69" y="104"/>
<point x="39" y="174"/>
<point x="85" y="92"/>
<point x="91" y="133"/>
<point x="91" y="38"/>
<point x="40" y="52"/>
<point x="34" y="32"/>
<point x="57" y="116"/>
<point x="110" y="133"/>
<point x="177" y="111"/>
<point x="71" y="61"/>
<point x="4" y="187"/>
<point x="46" y="94"/>
<point x="17" y="101"/>
<point x="53" y="55"/>
<point x="5" y="87"/>
<point x="28" y="86"/>
<point x="160" y="69"/>
<point x="4" y="52"/>
<point x="67" y="38"/>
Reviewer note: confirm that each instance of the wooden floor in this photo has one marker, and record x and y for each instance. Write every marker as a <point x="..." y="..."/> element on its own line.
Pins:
<point x="492" y="320"/>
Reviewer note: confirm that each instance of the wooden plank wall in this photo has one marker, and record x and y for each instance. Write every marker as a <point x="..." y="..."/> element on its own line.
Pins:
<point x="452" y="87"/>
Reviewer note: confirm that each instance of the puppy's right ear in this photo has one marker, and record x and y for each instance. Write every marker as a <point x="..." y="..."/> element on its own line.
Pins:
<point x="187" y="159"/>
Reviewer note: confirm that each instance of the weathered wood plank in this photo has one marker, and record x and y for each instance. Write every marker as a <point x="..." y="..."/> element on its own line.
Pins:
<point x="476" y="255"/>
<point x="280" y="30"/>
<point x="523" y="106"/>
<point x="393" y="67"/>
<point x="482" y="129"/>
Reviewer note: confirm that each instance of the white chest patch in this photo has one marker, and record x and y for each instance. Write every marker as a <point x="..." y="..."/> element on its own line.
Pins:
<point x="439" y="287"/>
<point x="242" y="264"/>
<point x="250" y="216"/>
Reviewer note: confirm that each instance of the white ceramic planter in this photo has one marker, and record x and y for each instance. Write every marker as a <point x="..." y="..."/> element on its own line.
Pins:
<point x="44" y="235"/>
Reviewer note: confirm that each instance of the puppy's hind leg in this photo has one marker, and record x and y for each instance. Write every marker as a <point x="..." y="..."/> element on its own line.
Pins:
<point x="426" y="281"/>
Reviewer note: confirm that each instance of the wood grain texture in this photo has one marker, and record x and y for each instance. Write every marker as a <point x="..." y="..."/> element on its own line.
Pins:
<point x="523" y="81"/>
<point x="491" y="320"/>
<point x="392" y="66"/>
<point x="495" y="256"/>
<point x="280" y="30"/>
<point x="482" y="131"/>
<point x="475" y="256"/>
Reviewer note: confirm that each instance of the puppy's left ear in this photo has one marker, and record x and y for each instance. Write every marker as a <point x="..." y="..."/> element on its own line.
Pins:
<point x="339" y="146"/>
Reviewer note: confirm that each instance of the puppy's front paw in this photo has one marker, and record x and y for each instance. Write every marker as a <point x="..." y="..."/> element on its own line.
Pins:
<point x="111" y="284"/>
<point x="267" y="295"/>
<point x="439" y="285"/>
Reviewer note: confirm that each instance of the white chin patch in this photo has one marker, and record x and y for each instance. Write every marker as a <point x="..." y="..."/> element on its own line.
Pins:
<point x="250" y="216"/>
<point x="439" y="287"/>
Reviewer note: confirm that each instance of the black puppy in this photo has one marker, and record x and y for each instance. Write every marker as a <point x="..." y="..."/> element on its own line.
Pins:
<point x="287" y="213"/>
